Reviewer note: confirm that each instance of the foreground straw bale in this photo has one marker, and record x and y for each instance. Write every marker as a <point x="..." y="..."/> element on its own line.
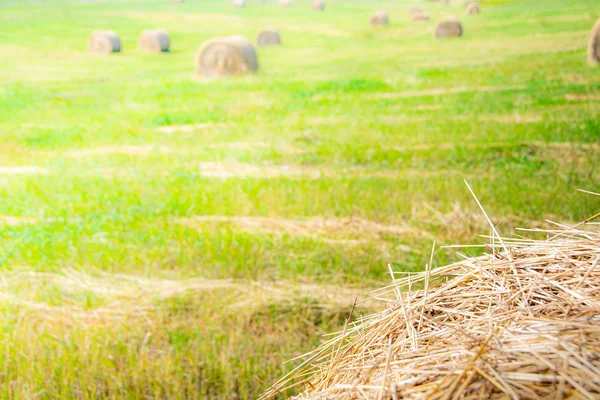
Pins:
<point x="155" y="40"/>
<point x="520" y="322"/>
<point x="104" y="42"/>
<point x="379" y="18"/>
<point x="226" y="56"/>
<point x="448" y="27"/>
<point x="594" y="45"/>
<point x="269" y="36"/>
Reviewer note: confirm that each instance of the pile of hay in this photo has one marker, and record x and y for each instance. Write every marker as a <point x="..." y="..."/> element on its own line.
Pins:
<point x="594" y="45"/>
<point x="379" y="18"/>
<point x="226" y="56"/>
<point x="318" y="5"/>
<point x="155" y="40"/>
<point x="419" y="17"/>
<point x="269" y="36"/>
<point x="522" y="321"/>
<point x="104" y="42"/>
<point x="448" y="27"/>
<point x="473" y="8"/>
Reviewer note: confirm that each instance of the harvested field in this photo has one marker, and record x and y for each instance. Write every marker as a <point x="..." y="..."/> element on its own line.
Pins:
<point x="168" y="235"/>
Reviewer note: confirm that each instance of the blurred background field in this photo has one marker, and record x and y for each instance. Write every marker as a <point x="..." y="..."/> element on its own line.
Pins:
<point x="166" y="236"/>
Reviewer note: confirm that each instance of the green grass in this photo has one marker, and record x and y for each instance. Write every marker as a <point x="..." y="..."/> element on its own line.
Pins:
<point x="346" y="152"/>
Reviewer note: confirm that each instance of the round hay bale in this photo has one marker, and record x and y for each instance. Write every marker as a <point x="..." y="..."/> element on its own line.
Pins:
<point x="415" y="10"/>
<point x="284" y="3"/>
<point x="420" y="17"/>
<point x="318" y="5"/>
<point x="226" y="56"/>
<point x="473" y="8"/>
<point x="155" y="40"/>
<point x="239" y="3"/>
<point x="448" y="27"/>
<point x="104" y="42"/>
<point x="268" y="37"/>
<point x="594" y="45"/>
<point x="379" y="18"/>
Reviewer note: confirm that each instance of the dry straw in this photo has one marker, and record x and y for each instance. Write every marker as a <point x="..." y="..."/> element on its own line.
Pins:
<point x="226" y="56"/>
<point x="269" y="36"/>
<point x="448" y="27"/>
<point x="318" y="5"/>
<point x="379" y="18"/>
<point x="522" y="321"/>
<point x="104" y="42"/>
<point x="155" y="40"/>
<point x="594" y="45"/>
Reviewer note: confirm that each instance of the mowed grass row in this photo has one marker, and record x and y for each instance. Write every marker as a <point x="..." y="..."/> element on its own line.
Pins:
<point x="165" y="236"/>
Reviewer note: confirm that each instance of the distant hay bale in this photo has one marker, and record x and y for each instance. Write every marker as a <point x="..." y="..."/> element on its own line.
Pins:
<point x="420" y="17"/>
<point x="448" y="27"/>
<point x="414" y="11"/>
<point x="155" y="40"/>
<point x="594" y="45"/>
<point x="284" y="3"/>
<point x="379" y="18"/>
<point x="226" y="56"/>
<point x="519" y="322"/>
<point x="269" y="36"/>
<point x="318" y="5"/>
<point x="239" y="3"/>
<point x="473" y="8"/>
<point x="104" y="42"/>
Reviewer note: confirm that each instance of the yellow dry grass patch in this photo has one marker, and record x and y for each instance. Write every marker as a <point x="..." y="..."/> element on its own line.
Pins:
<point x="119" y="150"/>
<point x="116" y="296"/>
<point x="8" y="220"/>
<point x="191" y="128"/>
<point x="352" y="230"/>
<point x="443" y="91"/>
<point x="582" y="97"/>
<point x="24" y="170"/>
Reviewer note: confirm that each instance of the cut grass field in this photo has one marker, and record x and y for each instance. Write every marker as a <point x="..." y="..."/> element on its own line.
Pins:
<point x="164" y="236"/>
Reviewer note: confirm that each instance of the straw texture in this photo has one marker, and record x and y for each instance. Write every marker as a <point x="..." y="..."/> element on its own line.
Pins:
<point x="226" y="56"/>
<point x="104" y="42"/>
<point x="522" y="322"/>
<point x="594" y="45"/>
<point x="155" y="40"/>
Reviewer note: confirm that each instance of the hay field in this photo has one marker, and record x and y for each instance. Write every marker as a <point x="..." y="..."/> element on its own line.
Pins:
<point x="165" y="236"/>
